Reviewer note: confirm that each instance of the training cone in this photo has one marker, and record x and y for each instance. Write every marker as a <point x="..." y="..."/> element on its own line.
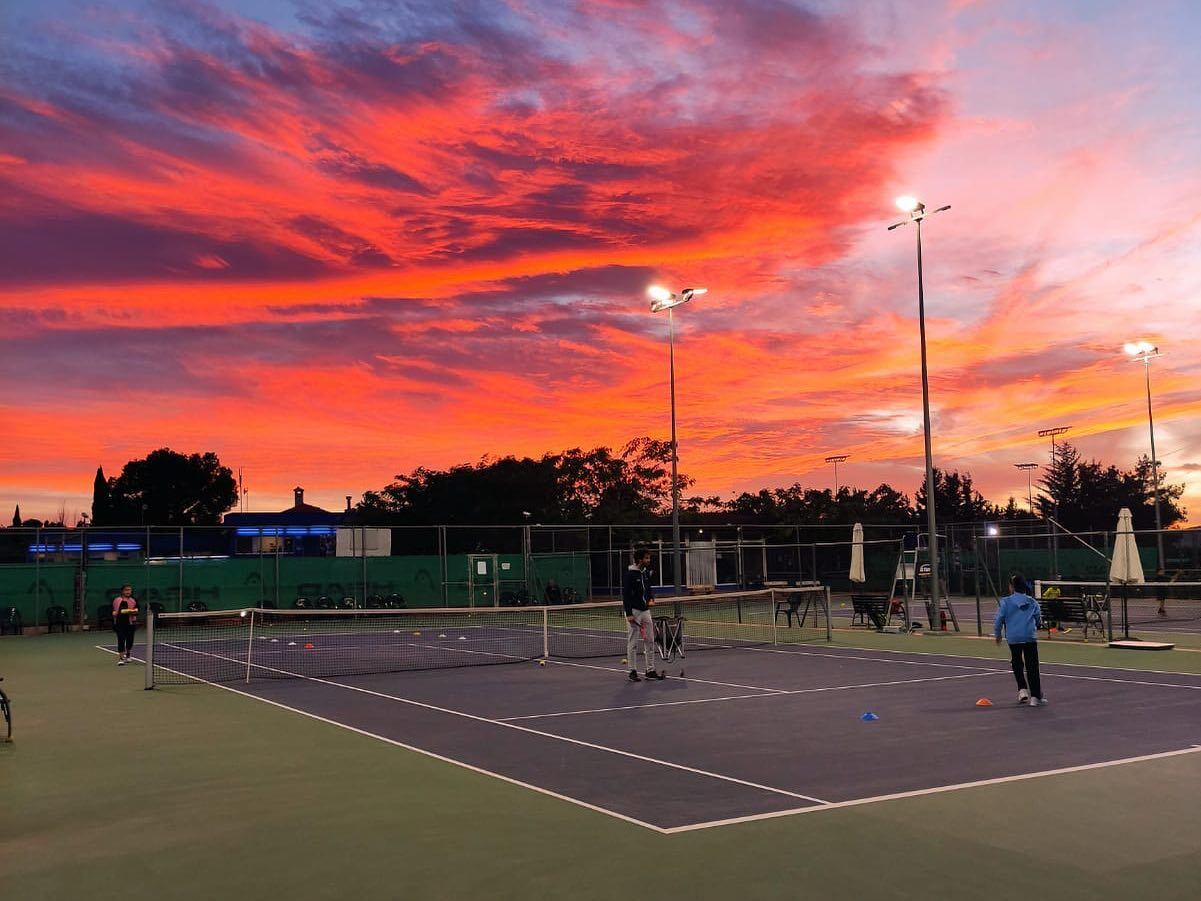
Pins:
<point x="983" y="702"/>
<point x="869" y="716"/>
<point x="308" y="646"/>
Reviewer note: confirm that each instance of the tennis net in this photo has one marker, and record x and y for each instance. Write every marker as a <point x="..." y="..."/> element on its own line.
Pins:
<point x="241" y="645"/>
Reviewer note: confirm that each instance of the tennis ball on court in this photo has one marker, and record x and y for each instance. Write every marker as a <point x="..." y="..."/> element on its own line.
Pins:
<point x="416" y="633"/>
<point x="624" y="662"/>
<point x="542" y="663"/>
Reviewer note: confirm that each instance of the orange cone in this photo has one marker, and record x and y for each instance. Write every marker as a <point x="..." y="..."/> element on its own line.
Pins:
<point x="984" y="702"/>
<point x="308" y="646"/>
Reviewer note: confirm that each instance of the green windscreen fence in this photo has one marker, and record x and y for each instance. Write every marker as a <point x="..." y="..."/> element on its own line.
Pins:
<point x="276" y="580"/>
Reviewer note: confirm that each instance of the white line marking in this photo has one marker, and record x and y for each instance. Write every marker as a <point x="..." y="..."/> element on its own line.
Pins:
<point x="834" y="805"/>
<point x="1122" y="669"/>
<point x="767" y="694"/>
<point x="422" y="751"/>
<point x="551" y="735"/>
<point x="618" y="669"/>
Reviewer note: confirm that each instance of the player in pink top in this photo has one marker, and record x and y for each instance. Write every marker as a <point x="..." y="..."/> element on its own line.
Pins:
<point x="125" y="622"/>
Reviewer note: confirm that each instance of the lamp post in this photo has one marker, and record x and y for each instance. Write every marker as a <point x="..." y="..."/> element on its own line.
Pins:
<point x="662" y="299"/>
<point x="836" y="459"/>
<point x="1051" y="433"/>
<point x="917" y="212"/>
<point x="1144" y="352"/>
<point x="1028" y="467"/>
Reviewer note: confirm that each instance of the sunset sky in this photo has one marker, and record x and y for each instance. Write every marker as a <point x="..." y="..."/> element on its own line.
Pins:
<point x="336" y="241"/>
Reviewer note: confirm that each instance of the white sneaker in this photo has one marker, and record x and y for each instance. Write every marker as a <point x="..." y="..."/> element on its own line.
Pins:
<point x="1039" y="702"/>
<point x="121" y="661"/>
<point x="1023" y="696"/>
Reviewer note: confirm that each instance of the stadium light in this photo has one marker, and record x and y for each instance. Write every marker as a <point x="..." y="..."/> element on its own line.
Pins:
<point x="1144" y="352"/>
<point x="1052" y="433"/>
<point x="663" y="299"/>
<point x="917" y="212"/>
<point x="836" y="459"/>
<point x="1029" y="468"/>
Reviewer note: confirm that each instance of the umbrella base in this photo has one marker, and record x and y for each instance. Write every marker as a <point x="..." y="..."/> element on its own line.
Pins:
<point x="1134" y="644"/>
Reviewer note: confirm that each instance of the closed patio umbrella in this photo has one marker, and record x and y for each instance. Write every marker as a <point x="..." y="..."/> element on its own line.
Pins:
<point x="1126" y="568"/>
<point x="857" y="554"/>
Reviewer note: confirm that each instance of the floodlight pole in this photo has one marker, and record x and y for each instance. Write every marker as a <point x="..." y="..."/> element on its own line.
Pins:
<point x="917" y="212"/>
<point x="1146" y="356"/>
<point x="1044" y="433"/>
<point x="1028" y="467"/>
<point x="662" y="299"/>
<point x="836" y="459"/>
<point x="677" y="553"/>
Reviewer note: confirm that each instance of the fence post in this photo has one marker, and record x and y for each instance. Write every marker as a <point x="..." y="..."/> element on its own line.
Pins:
<point x="181" y="567"/>
<point x="976" y="581"/>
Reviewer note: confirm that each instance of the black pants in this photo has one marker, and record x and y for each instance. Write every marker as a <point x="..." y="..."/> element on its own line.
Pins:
<point x="1025" y="667"/>
<point x="125" y="637"/>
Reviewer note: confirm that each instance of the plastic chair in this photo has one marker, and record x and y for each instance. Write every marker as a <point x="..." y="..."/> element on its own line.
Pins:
<point x="56" y="616"/>
<point x="10" y="621"/>
<point x="347" y="603"/>
<point x="394" y="602"/>
<point x="374" y="602"/>
<point x="197" y="607"/>
<point x="104" y="616"/>
<point x="325" y="603"/>
<point x="302" y="604"/>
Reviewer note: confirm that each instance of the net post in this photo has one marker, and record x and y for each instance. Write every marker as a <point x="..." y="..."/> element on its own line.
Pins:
<point x="829" y="628"/>
<point x="150" y="651"/>
<point x="545" y="633"/>
<point x="249" y="646"/>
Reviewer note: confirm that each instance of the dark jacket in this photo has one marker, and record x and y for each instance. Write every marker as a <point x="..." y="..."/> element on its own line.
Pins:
<point x="636" y="590"/>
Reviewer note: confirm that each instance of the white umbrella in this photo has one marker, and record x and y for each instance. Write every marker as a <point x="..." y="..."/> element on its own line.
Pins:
<point x="1126" y="568"/>
<point x="857" y="554"/>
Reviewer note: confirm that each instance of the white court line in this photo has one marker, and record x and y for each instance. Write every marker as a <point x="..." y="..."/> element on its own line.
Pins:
<point x="618" y="669"/>
<point x="773" y="694"/>
<point x="857" y="802"/>
<point x="459" y="763"/>
<point x="1120" y="669"/>
<point x="494" y="722"/>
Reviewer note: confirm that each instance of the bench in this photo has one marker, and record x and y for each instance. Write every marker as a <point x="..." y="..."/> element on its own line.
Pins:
<point x="1084" y="611"/>
<point x="873" y="607"/>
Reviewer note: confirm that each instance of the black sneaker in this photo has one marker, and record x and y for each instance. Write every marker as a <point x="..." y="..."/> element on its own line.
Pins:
<point x="655" y="674"/>
<point x="634" y="677"/>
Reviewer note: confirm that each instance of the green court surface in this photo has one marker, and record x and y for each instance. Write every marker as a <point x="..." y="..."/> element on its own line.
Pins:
<point x="109" y="791"/>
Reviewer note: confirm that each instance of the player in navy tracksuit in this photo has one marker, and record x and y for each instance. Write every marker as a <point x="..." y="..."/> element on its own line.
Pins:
<point x="637" y="599"/>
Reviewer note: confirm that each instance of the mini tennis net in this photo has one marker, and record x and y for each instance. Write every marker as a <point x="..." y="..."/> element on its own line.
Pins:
<point x="241" y="645"/>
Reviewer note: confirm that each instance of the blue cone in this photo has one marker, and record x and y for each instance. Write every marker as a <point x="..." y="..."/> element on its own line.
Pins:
<point x="869" y="716"/>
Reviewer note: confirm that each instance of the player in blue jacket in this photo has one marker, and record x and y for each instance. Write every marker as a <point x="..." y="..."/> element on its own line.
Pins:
<point x="1018" y="616"/>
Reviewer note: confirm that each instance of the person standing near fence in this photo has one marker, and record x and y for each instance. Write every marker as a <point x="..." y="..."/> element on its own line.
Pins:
<point x="637" y="599"/>
<point x="125" y="622"/>
<point x="1018" y="616"/>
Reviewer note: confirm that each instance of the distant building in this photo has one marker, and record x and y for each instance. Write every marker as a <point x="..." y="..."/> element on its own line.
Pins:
<point x="301" y="529"/>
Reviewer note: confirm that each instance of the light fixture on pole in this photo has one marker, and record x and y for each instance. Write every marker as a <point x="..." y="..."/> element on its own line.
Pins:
<point x="1029" y="468"/>
<point x="1144" y="352"/>
<point x="1052" y="433"/>
<point x="917" y="212"/>
<point x="662" y="299"/>
<point x="836" y="459"/>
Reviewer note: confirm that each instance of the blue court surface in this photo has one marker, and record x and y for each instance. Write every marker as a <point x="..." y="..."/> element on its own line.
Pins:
<point x="745" y="732"/>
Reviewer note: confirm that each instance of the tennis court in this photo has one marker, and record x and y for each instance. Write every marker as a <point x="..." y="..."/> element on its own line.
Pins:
<point x="765" y="719"/>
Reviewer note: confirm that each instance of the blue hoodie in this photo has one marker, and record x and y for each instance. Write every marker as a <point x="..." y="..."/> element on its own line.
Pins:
<point x="1019" y="614"/>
